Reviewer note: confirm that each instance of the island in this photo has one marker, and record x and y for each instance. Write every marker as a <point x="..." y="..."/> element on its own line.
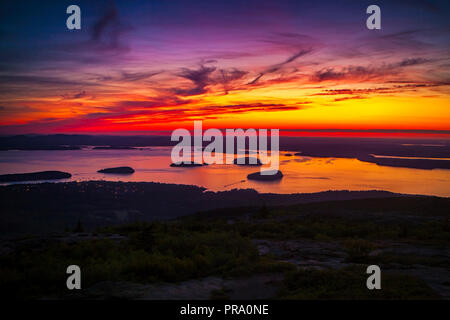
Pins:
<point x="35" y="176"/>
<point x="265" y="238"/>
<point x="404" y="162"/>
<point x="248" y="161"/>
<point x="260" y="177"/>
<point x="117" y="170"/>
<point x="114" y="148"/>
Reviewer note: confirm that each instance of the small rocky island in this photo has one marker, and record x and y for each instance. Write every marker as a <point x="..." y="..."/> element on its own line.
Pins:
<point x="187" y="164"/>
<point x="277" y="175"/>
<point x="117" y="170"/>
<point x="35" y="176"/>
<point x="248" y="161"/>
<point x="114" y="148"/>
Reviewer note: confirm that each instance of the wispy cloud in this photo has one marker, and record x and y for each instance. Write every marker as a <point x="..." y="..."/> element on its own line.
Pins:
<point x="278" y="66"/>
<point x="365" y="72"/>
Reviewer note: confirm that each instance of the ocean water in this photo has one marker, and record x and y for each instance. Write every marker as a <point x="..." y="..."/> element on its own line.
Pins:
<point x="301" y="174"/>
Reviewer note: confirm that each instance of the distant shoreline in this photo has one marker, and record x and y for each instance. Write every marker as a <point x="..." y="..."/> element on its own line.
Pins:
<point x="432" y="151"/>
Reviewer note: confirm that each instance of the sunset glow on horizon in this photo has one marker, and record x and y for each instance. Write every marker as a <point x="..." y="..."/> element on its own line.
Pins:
<point x="142" y="67"/>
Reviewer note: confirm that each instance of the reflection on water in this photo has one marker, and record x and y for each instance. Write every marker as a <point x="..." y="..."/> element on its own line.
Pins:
<point x="301" y="174"/>
<point x="409" y="158"/>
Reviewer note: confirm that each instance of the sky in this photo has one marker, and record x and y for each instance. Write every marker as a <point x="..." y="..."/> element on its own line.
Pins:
<point x="140" y="67"/>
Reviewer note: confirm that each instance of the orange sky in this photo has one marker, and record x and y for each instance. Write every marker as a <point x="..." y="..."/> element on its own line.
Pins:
<point x="123" y="73"/>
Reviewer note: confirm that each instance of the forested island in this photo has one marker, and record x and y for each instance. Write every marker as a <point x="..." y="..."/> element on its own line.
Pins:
<point x="35" y="176"/>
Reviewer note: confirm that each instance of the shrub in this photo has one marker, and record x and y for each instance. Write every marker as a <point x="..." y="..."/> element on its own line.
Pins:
<point x="357" y="250"/>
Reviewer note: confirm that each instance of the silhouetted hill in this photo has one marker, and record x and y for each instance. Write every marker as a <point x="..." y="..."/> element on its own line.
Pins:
<point x="52" y="207"/>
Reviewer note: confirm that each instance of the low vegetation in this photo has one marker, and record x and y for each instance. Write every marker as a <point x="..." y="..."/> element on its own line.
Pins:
<point x="221" y="243"/>
<point x="349" y="284"/>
